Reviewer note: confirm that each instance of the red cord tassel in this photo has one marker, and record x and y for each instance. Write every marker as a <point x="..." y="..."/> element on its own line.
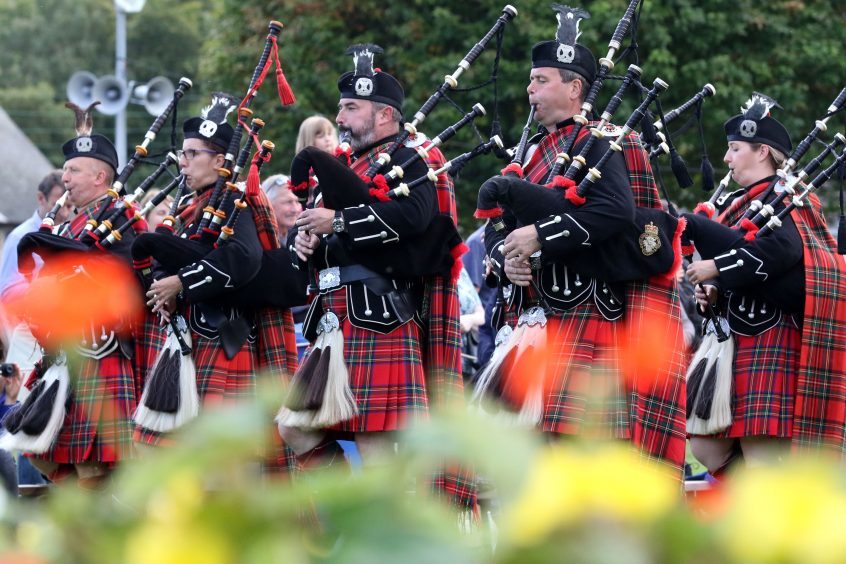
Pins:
<point x="751" y="229"/>
<point x="286" y="95"/>
<point x="572" y="195"/>
<point x="487" y="214"/>
<point x="514" y="169"/>
<point x="253" y="178"/>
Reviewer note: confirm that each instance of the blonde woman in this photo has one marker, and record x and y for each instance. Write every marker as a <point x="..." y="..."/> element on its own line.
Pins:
<point x="155" y="216"/>
<point x="317" y="131"/>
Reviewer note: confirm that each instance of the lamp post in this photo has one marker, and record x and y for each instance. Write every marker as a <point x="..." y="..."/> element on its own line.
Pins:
<point x="122" y="7"/>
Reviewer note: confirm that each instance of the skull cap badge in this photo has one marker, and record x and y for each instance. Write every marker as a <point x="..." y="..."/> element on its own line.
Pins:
<point x="364" y="86"/>
<point x="84" y="145"/>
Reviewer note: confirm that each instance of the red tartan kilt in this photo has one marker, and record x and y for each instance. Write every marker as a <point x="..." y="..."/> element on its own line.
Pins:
<point x="149" y="336"/>
<point x="765" y="369"/>
<point x="584" y="388"/>
<point x="385" y="373"/>
<point x="97" y="425"/>
<point x="219" y="378"/>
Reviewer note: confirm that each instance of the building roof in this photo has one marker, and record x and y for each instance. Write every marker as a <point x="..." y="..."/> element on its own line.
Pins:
<point x="23" y="166"/>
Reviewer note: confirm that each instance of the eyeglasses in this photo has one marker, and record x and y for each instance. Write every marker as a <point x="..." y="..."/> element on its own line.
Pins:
<point x="191" y="154"/>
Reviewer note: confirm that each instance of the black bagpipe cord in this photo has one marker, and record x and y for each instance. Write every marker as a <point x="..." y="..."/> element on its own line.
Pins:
<point x="495" y="124"/>
<point x="705" y="167"/>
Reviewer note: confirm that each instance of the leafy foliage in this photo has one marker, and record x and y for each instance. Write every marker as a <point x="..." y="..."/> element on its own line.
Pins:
<point x="788" y="49"/>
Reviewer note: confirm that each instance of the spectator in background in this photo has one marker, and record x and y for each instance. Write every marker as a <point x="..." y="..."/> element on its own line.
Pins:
<point x="474" y="263"/>
<point x="24" y="473"/>
<point x="19" y="343"/>
<point x="286" y="206"/>
<point x="471" y="318"/>
<point x="156" y="215"/>
<point x="317" y="131"/>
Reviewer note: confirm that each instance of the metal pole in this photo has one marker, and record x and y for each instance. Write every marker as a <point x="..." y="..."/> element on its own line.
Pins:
<point x="120" y="73"/>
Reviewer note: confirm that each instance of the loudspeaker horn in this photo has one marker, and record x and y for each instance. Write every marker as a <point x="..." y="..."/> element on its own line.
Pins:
<point x="80" y="88"/>
<point x="155" y="95"/>
<point x="112" y="93"/>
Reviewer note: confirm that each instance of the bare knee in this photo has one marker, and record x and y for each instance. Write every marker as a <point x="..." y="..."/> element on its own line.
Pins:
<point x="715" y="453"/>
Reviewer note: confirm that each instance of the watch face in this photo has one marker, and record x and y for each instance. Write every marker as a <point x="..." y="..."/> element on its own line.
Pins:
<point x="338" y="224"/>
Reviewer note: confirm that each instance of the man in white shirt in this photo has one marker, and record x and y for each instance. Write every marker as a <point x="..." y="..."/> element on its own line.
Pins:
<point x="18" y="342"/>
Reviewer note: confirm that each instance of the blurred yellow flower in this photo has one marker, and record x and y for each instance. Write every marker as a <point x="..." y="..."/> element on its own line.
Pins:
<point x="177" y="502"/>
<point x="189" y="543"/>
<point x="30" y="535"/>
<point x="788" y="513"/>
<point x="565" y="485"/>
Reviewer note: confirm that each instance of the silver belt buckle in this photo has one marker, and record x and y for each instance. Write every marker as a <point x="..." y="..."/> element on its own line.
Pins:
<point x="329" y="278"/>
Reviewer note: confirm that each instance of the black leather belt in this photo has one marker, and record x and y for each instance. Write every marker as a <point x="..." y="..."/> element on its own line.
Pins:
<point x="336" y="276"/>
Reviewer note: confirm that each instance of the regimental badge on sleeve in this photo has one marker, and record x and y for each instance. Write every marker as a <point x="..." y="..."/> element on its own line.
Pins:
<point x="650" y="243"/>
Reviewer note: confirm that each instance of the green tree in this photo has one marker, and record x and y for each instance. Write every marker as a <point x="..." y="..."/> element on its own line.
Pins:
<point x="787" y="49"/>
<point x="42" y="43"/>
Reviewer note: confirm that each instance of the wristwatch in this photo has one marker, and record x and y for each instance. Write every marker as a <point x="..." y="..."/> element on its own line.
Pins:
<point x="338" y="225"/>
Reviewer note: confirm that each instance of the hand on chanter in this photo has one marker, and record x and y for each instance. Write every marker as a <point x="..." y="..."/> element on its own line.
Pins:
<point x="706" y="296"/>
<point x="701" y="270"/>
<point x="317" y="221"/>
<point x="518" y="271"/>
<point x="162" y="295"/>
<point x="305" y="244"/>
<point x="521" y="243"/>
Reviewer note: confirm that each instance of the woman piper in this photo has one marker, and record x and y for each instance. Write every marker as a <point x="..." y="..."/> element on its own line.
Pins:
<point x="780" y="296"/>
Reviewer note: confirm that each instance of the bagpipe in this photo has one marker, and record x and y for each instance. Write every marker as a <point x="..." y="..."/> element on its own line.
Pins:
<point x="272" y="286"/>
<point x="46" y="242"/>
<point x="341" y="187"/>
<point x="450" y="82"/>
<point x="761" y="218"/>
<point x="95" y="229"/>
<point x="645" y="249"/>
<point x="320" y="393"/>
<point x="606" y="64"/>
<point x="621" y="258"/>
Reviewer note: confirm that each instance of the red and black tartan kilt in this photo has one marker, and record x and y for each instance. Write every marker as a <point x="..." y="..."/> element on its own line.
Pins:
<point x="765" y="368"/>
<point x="584" y="387"/>
<point x="149" y="336"/>
<point x="385" y="373"/>
<point x="97" y="426"/>
<point x="218" y="378"/>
